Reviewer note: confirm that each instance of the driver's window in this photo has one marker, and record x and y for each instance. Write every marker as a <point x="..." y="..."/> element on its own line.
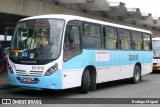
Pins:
<point x="71" y="42"/>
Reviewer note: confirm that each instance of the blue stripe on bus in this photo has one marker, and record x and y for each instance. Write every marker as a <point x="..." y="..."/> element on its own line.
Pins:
<point x="116" y="58"/>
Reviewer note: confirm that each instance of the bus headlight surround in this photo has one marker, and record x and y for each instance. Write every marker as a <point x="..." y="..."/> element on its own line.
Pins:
<point x="52" y="70"/>
<point x="10" y="69"/>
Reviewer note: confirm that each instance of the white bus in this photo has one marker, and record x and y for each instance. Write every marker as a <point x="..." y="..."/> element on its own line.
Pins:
<point x="156" y="53"/>
<point x="65" y="51"/>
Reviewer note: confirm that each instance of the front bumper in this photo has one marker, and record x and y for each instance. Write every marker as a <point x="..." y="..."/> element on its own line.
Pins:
<point x="156" y="67"/>
<point x="53" y="81"/>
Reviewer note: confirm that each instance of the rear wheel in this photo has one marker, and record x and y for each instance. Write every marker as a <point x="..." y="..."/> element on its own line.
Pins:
<point x="136" y="75"/>
<point x="85" y="81"/>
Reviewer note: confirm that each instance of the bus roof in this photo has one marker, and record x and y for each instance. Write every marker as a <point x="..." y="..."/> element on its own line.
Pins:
<point x="72" y="17"/>
<point x="156" y="38"/>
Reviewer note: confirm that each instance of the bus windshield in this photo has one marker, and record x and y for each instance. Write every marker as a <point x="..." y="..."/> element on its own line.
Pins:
<point x="37" y="39"/>
<point x="156" y="48"/>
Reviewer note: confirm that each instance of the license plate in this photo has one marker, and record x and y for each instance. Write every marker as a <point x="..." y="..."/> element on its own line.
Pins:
<point x="29" y="80"/>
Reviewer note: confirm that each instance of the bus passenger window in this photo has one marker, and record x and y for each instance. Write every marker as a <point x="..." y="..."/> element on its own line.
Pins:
<point x="124" y="39"/>
<point x="92" y="36"/>
<point x="110" y="38"/>
<point x="136" y="41"/>
<point x="146" y="42"/>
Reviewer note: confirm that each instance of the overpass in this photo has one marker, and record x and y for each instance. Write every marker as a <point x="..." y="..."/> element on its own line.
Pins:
<point x="115" y="12"/>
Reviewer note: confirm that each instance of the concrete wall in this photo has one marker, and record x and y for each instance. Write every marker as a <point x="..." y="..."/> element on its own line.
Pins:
<point x="37" y="7"/>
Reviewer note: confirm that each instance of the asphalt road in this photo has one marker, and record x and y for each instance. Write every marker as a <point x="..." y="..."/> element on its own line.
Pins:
<point x="149" y="87"/>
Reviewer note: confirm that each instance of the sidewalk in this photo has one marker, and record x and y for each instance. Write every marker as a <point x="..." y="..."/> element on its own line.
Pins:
<point x="4" y="81"/>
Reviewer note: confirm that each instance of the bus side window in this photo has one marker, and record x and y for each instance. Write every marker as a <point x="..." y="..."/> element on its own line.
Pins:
<point x="124" y="39"/>
<point x="110" y="38"/>
<point x="71" y="42"/>
<point x="146" y="41"/>
<point x="136" y="41"/>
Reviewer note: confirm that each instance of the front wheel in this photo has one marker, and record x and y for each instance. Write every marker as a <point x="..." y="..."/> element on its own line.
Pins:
<point x="85" y="82"/>
<point x="136" y="75"/>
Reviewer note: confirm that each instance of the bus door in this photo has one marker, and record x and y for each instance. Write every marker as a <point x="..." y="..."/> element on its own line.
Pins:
<point x="72" y="47"/>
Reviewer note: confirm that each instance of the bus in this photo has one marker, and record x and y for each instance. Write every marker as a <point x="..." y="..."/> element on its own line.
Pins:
<point x="64" y="51"/>
<point x="156" y="53"/>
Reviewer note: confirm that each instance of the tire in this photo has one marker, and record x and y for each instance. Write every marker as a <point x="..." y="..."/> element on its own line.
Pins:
<point x="92" y="87"/>
<point x="85" y="82"/>
<point x="136" y="75"/>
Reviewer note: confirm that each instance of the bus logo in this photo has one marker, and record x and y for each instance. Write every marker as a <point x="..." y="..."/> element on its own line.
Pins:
<point x="133" y="57"/>
<point x="6" y="101"/>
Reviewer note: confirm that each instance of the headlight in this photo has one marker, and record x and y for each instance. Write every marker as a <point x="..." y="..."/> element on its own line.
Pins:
<point x="10" y="69"/>
<point x="52" y="70"/>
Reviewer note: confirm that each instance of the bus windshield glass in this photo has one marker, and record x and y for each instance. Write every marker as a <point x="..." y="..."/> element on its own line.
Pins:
<point x="156" y="48"/>
<point x="37" y="39"/>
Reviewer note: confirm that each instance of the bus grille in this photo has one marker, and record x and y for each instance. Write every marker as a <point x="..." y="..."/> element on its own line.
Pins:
<point x="29" y="73"/>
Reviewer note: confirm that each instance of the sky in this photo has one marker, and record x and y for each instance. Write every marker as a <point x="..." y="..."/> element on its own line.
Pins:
<point x="146" y="6"/>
